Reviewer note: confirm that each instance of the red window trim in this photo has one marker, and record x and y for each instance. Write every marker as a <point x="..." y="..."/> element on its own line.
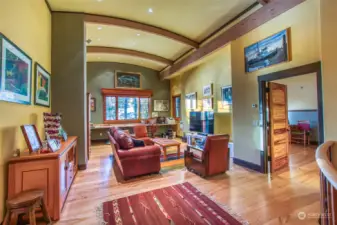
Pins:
<point x="125" y="93"/>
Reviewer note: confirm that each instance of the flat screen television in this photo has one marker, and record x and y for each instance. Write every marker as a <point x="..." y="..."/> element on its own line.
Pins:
<point x="202" y="122"/>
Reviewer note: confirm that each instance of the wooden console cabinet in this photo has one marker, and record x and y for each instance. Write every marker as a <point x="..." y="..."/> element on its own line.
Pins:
<point x="51" y="172"/>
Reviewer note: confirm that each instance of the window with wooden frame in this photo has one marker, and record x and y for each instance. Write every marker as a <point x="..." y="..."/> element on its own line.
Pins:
<point x="126" y="106"/>
<point x="176" y="100"/>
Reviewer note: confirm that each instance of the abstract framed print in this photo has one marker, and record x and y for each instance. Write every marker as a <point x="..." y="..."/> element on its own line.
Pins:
<point x="42" y="86"/>
<point x="226" y="95"/>
<point x="15" y="73"/>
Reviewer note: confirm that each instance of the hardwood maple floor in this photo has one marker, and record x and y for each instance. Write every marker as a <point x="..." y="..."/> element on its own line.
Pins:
<point x="256" y="197"/>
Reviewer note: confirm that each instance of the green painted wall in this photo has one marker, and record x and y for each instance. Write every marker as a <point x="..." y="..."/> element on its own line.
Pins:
<point x="101" y="75"/>
<point x="69" y="76"/>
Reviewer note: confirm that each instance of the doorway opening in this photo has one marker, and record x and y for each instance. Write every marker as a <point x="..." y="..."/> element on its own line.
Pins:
<point x="291" y="111"/>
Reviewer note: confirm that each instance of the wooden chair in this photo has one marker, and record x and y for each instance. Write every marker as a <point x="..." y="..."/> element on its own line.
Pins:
<point x="300" y="133"/>
<point x="212" y="159"/>
<point x="26" y="202"/>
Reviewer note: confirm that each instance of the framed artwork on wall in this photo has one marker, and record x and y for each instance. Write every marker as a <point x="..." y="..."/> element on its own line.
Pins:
<point x="32" y="137"/>
<point x="161" y="105"/>
<point x="207" y="104"/>
<point x="127" y="80"/>
<point x="226" y="95"/>
<point x="42" y="86"/>
<point x="270" y="51"/>
<point x="191" y="101"/>
<point x="93" y="104"/>
<point x="207" y="90"/>
<point x="15" y="73"/>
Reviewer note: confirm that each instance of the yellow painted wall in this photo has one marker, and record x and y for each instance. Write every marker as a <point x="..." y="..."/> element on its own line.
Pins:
<point x="214" y="69"/>
<point x="302" y="91"/>
<point x="304" y="21"/>
<point x="329" y="66"/>
<point x="28" y="25"/>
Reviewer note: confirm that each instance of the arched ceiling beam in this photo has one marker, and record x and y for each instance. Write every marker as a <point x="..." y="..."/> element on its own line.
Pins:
<point x="122" y="51"/>
<point x="271" y="10"/>
<point x="140" y="26"/>
<point x="263" y="2"/>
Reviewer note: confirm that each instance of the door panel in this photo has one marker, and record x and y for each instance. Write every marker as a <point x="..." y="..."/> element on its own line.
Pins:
<point x="278" y="130"/>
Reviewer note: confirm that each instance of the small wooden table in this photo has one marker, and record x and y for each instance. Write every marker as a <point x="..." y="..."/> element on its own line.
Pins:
<point x="164" y="143"/>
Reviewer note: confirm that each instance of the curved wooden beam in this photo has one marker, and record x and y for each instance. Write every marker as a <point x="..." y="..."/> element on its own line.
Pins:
<point x="263" y="2"/>
<point x="122" y="51"/>
<point x="140" y="26"/>
<point x="271" y="10"/>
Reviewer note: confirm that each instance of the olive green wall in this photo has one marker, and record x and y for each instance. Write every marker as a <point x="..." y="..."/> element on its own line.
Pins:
<point x="101" y="75"/>
<point x="69" y="75"/>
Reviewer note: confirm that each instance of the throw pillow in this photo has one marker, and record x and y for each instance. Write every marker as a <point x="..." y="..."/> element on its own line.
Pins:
<point x="124" y="140"/>
<point x="138" y="143"/>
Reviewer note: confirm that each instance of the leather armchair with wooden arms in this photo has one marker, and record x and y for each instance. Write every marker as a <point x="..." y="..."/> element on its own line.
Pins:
<point x="141" y="134"/>
<point x="212" y="159"/>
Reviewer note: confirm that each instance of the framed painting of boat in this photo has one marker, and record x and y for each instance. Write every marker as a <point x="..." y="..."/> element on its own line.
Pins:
<point x="270" y="51"/>
<point x="127" y="80"/>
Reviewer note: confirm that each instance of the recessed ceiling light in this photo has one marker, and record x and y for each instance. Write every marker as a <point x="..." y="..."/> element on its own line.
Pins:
<point x="100" y="0"/>
<point x="150" y="10"/>
<point x="98" y="39"/>
<point x="138" y="34"/>
<point x="99" y="28"/>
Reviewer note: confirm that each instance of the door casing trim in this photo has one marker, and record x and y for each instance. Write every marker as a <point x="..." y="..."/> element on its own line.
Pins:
<point x="293" y="72"/>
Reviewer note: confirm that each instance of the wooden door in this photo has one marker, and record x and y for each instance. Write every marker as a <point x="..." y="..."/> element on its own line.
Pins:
<point x="278" y="126"/>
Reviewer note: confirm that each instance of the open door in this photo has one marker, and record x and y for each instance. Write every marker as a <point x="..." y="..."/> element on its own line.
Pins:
<point x="278" y="126"/>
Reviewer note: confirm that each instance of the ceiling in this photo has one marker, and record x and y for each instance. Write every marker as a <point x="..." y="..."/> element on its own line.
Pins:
<point x="192" y="19"/>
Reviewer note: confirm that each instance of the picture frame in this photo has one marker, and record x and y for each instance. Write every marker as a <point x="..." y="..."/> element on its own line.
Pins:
<point x="64" y="136"/>
<point x="207" y="104"/>
<point x="53" y="145"/>
<point x="270" y="51"/>
<point x="207" y="90"/>
<point x="161" y="105"/>
<point x="226" y="95"/>
<point x="128" y="80"/>
<point x="191" y="101"/>
<point x="93" y="104"/>
<point x="15" y="73"/>
<point x="42" y="86"/>
<point x="32" y="137"/>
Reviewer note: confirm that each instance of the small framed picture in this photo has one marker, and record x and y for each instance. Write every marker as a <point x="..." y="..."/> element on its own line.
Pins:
<point x="93" y="104"/>
<point x="53" y="145"/>
<point x="32" y="137"/>
<point x="226" y="95"/>
<point x="64" y="136"/>
<point x="207" y="90"/>
<point x="207" y="104"/>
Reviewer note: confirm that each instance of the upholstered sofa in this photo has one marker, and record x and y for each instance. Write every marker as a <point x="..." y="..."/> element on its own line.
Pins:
<point x="135" y="161"/>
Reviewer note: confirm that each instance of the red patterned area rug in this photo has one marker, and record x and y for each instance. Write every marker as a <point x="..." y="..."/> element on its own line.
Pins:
<point x="180" y="204"/>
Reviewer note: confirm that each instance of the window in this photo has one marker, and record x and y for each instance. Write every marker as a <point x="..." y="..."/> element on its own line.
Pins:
<point x="144" y="108"/>
<point x="126" y="105"/>
<point x="176" y="106"/>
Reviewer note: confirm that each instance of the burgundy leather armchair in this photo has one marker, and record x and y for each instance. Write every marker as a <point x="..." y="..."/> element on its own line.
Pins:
<point x="136" y="161"/>
<point x="141" y="134"/>
<point x="212" y="159"/>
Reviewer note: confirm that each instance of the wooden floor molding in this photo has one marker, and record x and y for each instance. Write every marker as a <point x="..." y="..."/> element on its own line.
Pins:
<point x="256" y="197"/>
